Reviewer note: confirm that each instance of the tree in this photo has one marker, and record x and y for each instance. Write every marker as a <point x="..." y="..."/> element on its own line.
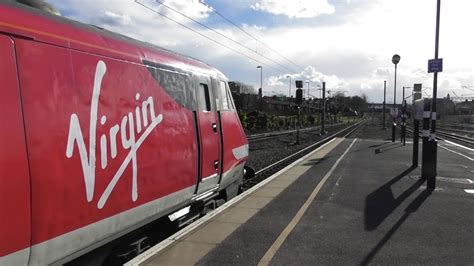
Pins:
<point x="358" y="103"/>
<point x="241" y="88"/>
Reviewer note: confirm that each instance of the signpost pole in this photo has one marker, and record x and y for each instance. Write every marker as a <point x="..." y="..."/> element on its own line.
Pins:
<point x="425" y="155"/>
<point x="383" y="108"/>
<point x="416" y="123"/>
<point x="436" y="65"/>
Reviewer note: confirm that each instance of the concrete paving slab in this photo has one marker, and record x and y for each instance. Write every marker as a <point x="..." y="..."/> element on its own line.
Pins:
<point x="213" y="233"/>
<point x="254" y="202"/>
<point x="268" y="192"/>
<point x="237" y="215"/>
<point x="280" y="183"/>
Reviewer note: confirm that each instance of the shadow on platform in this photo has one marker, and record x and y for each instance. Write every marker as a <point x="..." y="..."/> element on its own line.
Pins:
<point x="381" y="203"/>
<point x="392" y="145"/>
<point x="413" y="207"/>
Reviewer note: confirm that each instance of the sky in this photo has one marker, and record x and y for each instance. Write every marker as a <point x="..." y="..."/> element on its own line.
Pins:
<point x="348" y="44"/>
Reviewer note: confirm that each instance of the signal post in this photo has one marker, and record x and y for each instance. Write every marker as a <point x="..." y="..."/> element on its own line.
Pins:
<point x="299" y="101"/>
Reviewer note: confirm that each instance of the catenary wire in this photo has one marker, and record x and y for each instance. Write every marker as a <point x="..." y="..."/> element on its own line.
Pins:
<point x="203" y="35"/>
<point x="249" y="34"/>
<point x="223" y="35"/>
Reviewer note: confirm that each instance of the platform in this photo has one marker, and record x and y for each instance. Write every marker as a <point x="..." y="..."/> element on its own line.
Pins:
<point x="353" y="201"/>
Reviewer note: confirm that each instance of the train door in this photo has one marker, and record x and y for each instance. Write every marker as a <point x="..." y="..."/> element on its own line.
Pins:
<point x="209" y="137"/>
<point x="15" y="219"/>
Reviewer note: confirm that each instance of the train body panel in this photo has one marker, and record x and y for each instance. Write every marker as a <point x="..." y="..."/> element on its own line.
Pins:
<point x="15" y="227"/>
<point x="111" y="134"/>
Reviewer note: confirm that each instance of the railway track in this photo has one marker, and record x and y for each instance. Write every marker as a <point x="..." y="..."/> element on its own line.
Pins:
<point x="457" y="131"/>
<point x="450" y="136"/>
<point x="275" y="167"/>
<point x="270" y="135"/>
<point x="444" y="135"/>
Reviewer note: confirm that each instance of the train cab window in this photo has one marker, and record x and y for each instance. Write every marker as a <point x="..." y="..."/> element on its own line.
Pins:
<point x="229" y="97"/>
<point x="223" y="93"/>
<point x="204" y="97"/>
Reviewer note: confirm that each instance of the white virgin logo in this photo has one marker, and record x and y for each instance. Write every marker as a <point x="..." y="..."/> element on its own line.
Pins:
<point x="127" y="127"/>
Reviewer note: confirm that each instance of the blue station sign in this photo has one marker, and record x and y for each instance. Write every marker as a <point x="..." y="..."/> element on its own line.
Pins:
<point x="435" y="65"/>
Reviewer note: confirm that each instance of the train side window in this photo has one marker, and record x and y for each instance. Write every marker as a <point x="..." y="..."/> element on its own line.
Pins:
<point x="204" y="97"/>
<point x="176" y="82"/>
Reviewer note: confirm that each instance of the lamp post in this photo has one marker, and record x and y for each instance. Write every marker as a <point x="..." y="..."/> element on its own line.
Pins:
<point x="260" y="92"/>
<point x="307" y="82"/>
<point x="289" y="90"/>
<point x="395" y="60"/>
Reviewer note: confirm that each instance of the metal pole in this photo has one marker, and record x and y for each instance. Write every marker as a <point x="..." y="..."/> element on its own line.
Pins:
<point x="260" y="91"/>
<point x="323" y="117"/>
<point x="308" y="89"/>
<point x="431" y="176"/>
<point x="403" y="125"/>
<point x="416" y="133"/>
<point x="425" y="154"/>
<point x="383" y="108"/>
<point x="289" y="90"/>
<point x="394" y="104"/>
<point x="298" y="128"/>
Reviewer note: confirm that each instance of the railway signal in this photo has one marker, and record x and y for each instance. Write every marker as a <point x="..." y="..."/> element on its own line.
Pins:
<point x="299" y="101"/>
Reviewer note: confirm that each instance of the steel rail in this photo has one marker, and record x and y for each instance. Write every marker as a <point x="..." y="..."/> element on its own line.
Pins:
<point x="274" y="134"/>
<point x="442" y="135"/>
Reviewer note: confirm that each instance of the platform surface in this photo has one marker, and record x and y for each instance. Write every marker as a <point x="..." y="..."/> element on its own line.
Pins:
<point x="355" y="201"/>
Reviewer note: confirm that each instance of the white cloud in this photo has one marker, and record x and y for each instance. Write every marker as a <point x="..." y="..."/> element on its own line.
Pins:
<point x="112" y="18"/>
<point x="295" y="9"/>
<point x="280" y="83"/>
<point x="253" y="27"/>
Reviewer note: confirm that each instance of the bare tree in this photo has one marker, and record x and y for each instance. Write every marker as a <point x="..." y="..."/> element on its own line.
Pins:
<point x="242" y="88"/>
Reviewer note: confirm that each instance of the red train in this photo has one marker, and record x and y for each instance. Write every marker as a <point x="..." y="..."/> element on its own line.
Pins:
<point x="101" y="134"/>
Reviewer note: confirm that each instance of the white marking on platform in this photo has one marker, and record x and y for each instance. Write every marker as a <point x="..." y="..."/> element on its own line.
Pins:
<point x="470" y="191"/>
<point x="284" y="234"/>
<point x="459" y="145"/>
<point x="458" y="153"/>
<point x="454" y="180"/>
<point x="147" y="255"/>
